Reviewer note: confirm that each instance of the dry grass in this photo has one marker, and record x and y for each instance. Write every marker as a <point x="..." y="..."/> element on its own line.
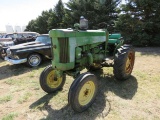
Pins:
<point x="137" y="98"/>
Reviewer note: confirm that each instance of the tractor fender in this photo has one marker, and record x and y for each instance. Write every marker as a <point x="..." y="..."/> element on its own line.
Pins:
<point x="118" y="46"/>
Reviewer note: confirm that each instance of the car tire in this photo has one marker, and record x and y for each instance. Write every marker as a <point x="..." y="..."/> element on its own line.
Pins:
<point x="2" y="54"/>
<point x="34" y="60"/>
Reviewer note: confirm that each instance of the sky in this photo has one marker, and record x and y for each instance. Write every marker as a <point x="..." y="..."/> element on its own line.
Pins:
<point x="20" y="12"/>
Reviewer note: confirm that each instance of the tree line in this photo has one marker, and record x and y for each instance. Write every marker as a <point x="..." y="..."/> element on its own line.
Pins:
<point x="137" y="20"/>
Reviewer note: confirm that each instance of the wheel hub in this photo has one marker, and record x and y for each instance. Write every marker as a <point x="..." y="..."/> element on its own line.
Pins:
<point x="129" y="63"/>
<point x="34" y="60"/>
<point x="86" y="93"/>
<point x="52" y="80"/>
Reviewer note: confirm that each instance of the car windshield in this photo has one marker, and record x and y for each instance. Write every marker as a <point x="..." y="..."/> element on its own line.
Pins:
<point x="20" y="35"/>
<point x="32" y="34"/>
<point x="8" y="36"/>
<point x="43" y="39"/>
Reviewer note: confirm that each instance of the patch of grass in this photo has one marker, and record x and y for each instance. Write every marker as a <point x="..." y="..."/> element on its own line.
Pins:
<point x="17" y="89"/>
<point x="5" y="99"/>
<point x="156" y="78"/>
<point x="140" y="74"/>
<point x="10" y="116"/>
<point x="33" y="82"/>
<point x="14" y="82"/>
<point x="40" y="106"/>
<point x="138" y="54"/>
<point x="10" y="82"/>
<point x="24" y="98"/>
<point x="108" y="71"/>
<point x="40" y="103"/>
<point x="3" y="63"/>
<point x="32" y="74"/>
<point x="158" y="95"/>
<point x="62" y="101"/>
<point x="136" y="117"/>
<point x="134" y="99"/>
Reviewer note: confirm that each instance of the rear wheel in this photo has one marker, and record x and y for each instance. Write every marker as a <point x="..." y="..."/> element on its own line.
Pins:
<point x="124" y="62"/>
<point x="49" y="80"/>
<point x="34" y="60"/>
<point x="83" y="92"/>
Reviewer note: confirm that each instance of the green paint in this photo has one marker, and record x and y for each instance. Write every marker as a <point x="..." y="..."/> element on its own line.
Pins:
<point x="76" y="49"/>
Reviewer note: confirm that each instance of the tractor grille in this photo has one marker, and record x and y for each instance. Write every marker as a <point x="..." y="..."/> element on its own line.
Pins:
<point x="64" y="49"/>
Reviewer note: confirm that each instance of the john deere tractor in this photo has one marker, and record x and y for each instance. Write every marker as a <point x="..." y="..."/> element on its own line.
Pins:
<point x="76" y="49"/>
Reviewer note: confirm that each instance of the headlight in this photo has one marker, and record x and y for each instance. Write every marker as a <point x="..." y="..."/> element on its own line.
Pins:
<point x="8" y="51"/>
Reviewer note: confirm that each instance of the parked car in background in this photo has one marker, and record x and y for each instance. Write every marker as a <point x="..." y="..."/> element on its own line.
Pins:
<point x="24" y="37"/>
<point x="1" y="35"/>
<point x="6" y="37"/>
<point x="15" y="39"/>
<point x="31" y="53"/>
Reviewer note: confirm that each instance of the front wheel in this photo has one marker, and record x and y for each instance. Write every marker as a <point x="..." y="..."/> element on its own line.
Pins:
<point x="83" y="92"/>
<point x="34" y="60"/>
<point x="2" y="54"/>
<point x="49" y="80"/>
<point x="124" y="62"/>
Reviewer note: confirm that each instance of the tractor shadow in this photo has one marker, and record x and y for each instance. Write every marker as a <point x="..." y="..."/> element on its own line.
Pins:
<point x="101" y="106"/>
<point x="67" y="113"/>
<point x="125" y="89"/>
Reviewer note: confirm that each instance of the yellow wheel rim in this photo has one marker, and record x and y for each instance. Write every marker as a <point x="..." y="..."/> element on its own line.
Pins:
<point x="52" y="80"/>
<point x="129" y="63"/>
<point x="86" y="93"/>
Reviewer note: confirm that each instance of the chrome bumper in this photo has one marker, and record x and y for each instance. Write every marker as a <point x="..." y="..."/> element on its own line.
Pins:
<point x="16" y="61"/>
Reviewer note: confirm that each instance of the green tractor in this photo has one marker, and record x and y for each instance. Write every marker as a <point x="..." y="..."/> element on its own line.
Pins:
<point x="76" y="49"/>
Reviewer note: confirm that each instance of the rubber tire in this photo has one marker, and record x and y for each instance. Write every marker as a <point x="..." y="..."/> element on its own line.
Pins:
<point x="1" y="54"/>
<point x="120" y="62"/>
<point x="43" y="80"/>
<point x="29" y="57"/>
<point x="75" y="89"/>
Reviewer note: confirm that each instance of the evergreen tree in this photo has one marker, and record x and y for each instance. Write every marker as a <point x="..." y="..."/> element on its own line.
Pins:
<point x="42" y="22"/>
<point x="54" y="18"/>
<point x="92" y="10"/>
<point x="59" y="17"/>
<point x="32" y="26"/>
<point x="139" y="22"/>
<point x="59" y="14"/>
